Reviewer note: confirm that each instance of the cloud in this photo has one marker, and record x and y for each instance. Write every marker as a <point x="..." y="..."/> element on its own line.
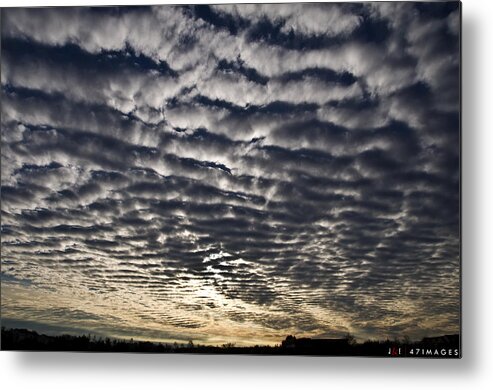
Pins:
<point x="307" y="19"/>
<point x="232" y="173"/>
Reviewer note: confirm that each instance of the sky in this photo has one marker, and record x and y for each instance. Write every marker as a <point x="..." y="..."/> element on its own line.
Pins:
<point x="231" y="173"/>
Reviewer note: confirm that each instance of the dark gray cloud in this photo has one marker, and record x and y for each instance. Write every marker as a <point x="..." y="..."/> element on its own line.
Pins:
<point x="232" y="172"/>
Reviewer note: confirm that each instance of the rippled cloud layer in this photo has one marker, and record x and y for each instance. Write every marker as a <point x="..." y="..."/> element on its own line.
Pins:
<point x="232" y="173"/>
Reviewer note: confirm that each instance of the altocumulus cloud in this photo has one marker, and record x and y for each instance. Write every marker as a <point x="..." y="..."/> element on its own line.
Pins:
<point x="232" y="172"/>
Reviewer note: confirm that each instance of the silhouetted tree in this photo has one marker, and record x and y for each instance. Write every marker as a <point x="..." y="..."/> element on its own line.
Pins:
<point x="23" y="339"/>
<point x="350" y="339"/>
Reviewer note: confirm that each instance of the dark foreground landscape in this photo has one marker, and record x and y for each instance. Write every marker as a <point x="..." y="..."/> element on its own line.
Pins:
<point x="447" y="346"/>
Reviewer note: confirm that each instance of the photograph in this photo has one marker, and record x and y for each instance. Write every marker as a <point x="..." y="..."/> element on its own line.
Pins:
<point x="259" y="179"/>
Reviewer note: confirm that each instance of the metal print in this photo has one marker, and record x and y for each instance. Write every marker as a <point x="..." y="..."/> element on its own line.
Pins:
<point x="244" y="178"/>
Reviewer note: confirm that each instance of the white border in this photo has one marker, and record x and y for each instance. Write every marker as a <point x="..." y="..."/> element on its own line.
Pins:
<point x="473" y="371"/>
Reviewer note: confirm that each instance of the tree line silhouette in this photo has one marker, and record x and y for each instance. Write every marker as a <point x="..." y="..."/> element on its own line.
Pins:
<point x="23" y="339"/>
